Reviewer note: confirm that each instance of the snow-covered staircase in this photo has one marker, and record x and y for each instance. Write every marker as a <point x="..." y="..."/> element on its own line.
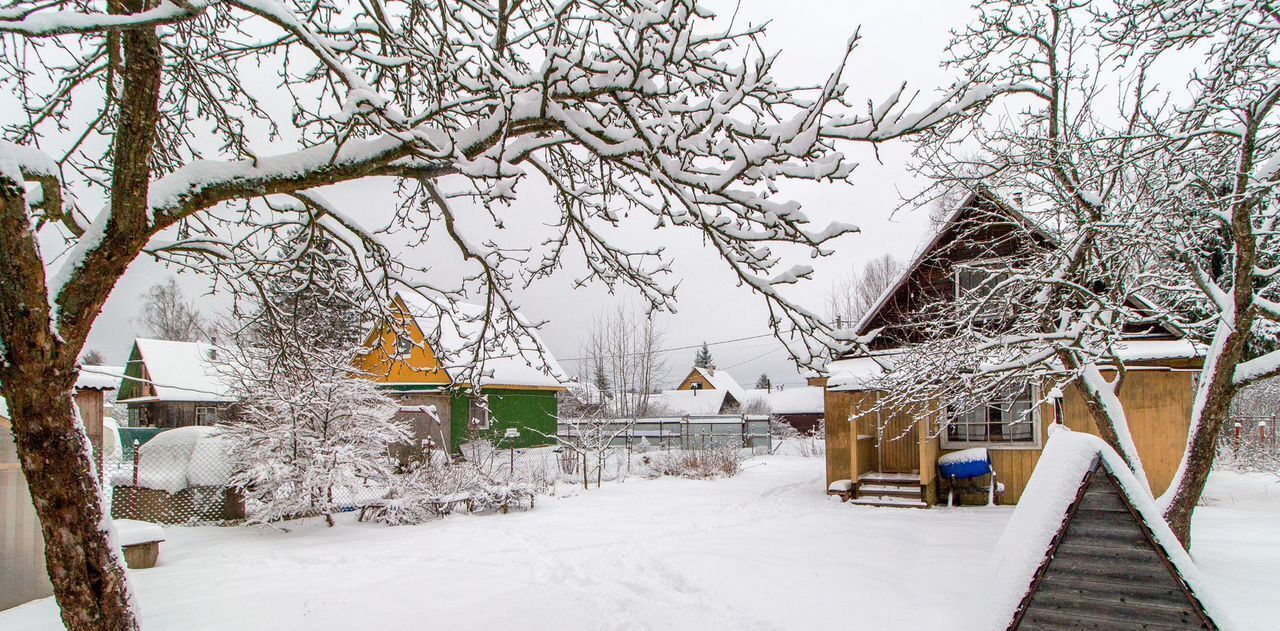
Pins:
<point x="889" y="489"/>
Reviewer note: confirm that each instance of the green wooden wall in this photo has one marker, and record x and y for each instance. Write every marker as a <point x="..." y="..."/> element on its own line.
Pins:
<point x="533" y="412"/>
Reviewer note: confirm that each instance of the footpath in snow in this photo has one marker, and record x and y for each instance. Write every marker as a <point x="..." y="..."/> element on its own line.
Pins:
<point x="765" y="550"/>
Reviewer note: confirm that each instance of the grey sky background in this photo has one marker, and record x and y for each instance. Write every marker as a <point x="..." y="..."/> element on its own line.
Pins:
<point x="900" y="41"/>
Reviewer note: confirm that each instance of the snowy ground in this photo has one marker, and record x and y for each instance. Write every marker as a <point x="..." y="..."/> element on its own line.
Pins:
<point x="766" y="550"/>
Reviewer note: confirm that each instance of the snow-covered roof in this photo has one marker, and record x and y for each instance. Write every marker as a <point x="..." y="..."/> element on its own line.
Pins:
<point x="1133" y="350"/>
<point x="855" y="373"/>
<point x="693" y="402"/>
<point x="522" y="360"/>
<point x="722" y="380"/>
<point x="794" y="400"/>
<point x="1066" y="460"/>
<point x="181" y="371"/>
<point x="94" y="377"/>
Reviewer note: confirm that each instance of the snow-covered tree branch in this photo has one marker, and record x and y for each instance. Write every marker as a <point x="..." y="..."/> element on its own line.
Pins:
<point x="198" y="132"/>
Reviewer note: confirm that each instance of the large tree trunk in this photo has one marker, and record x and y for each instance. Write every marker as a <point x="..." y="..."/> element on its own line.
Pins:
<point x="84" y="567"/>
<point x="41" y="344"/>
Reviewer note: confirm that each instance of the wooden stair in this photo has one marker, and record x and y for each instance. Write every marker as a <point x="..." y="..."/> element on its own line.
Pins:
<point x="889" y="489"/>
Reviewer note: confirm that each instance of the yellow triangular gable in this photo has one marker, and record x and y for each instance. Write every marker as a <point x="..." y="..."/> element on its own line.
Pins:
<point x="385" y="365"/>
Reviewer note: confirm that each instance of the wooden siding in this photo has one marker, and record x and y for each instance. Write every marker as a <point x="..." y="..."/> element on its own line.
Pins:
<point x="695" y="377"/>
<point x="839" y="407"/>
<point x="1157" y="402"/>
<point x="171" y="414"/>
<point x="1105" y="571"/>
<point x="1158" y="406"/>
<point x="382" y="362"/>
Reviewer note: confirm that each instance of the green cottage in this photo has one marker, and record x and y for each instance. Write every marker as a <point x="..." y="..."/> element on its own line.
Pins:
<point x="519" y="380"/>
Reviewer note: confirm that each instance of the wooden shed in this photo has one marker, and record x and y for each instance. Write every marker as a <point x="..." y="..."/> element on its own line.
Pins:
<point x="1090" y="550"/>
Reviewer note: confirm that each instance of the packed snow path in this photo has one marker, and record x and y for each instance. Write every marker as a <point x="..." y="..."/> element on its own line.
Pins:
<point x="765" y="550"/>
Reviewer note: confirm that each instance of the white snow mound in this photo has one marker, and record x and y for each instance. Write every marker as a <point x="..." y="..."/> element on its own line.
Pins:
<point x="183" y="457"/>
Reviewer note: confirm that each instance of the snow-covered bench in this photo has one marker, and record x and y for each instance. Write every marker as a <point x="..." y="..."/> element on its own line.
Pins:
<point x="140" y="541"/>
<point x="842" y="489"/>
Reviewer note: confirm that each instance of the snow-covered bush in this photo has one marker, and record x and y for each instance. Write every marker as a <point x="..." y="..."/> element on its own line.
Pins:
<point x="714" y="460"/>
<point x="310" y="442"/>
<point x="796" y="442"/>
<point x="480" y="480"/>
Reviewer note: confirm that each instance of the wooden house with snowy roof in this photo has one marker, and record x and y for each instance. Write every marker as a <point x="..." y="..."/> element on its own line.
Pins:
<point x="1087" y="548"/>
<point x="892" y="458"/>
<point x="428" y="363"/>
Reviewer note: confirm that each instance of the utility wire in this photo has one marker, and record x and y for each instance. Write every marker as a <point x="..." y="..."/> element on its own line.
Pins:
<point x="674" y="348"/>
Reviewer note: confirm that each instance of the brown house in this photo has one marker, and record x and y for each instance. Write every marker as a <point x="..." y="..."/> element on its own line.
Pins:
<point x="171" y="384"/>
<point x="894" y="456"/>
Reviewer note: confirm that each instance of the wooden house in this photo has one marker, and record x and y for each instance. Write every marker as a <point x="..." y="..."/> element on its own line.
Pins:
<point x="708" y="391"/>
<point x="898" y="452"/>
<point x="1087" y="548"/>
<point x="517" y="381"/>
<point x="171" y="384"/>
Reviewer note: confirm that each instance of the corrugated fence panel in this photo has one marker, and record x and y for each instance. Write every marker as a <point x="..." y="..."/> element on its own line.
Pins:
<point x="22" y="574"/>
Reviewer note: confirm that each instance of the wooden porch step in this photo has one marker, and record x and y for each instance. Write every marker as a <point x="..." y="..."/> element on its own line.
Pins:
<point x="890" y="479"/>
<point x="889" y="489"/>
<point x="889" y="501"/>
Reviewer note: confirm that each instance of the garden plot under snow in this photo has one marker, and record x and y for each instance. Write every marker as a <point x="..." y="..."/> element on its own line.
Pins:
<point x="764" y="550"/>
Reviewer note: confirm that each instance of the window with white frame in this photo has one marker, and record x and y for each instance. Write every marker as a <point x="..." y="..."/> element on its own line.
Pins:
<point x="206" y="414"/>
<point x="478" y="412"/>
<point x="1009" y="422"/>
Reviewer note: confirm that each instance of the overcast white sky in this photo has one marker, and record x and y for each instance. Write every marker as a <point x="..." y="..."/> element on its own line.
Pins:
<point x="900" y="41"/>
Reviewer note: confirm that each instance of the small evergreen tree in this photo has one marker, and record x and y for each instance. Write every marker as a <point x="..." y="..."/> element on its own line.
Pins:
<point x="763" y="382"/>
<point x="703" y="358"/>
<point x="92" y="358"/>
<point x="320" y="303"/>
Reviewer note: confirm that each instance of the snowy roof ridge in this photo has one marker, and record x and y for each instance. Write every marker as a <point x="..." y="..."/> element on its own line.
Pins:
<point x="722" y="380"/>
<point x="1067" y="459"/>
<point x="181" y="371"/>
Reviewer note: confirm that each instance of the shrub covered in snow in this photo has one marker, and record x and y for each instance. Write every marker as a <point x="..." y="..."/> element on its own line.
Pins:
<point x="705" y="461"/>
<point x="307" y="443"/>
<point x="482" y="479"/>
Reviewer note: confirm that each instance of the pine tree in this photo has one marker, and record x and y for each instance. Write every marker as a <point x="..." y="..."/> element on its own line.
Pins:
<point x="703" y="358"/>
<point x="763" y="382"/>
<point x="320" y="303"/>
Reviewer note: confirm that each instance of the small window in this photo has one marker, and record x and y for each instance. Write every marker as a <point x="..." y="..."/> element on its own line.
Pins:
<point x="206" y="414"/>
<point x="135" y="416"/>
<point x="976" y="281"/>
<point x="478" y="412"/>
<point x="1010" y="422"/>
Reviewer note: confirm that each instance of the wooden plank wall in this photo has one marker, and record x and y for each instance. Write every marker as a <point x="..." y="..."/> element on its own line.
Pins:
<point x="22" y="573"/>
<point x="1158" y="404"/>
<point x="839" y="406"/>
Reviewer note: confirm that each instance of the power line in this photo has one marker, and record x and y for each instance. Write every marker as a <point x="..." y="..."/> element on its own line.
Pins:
<point x="673" y="349"/>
